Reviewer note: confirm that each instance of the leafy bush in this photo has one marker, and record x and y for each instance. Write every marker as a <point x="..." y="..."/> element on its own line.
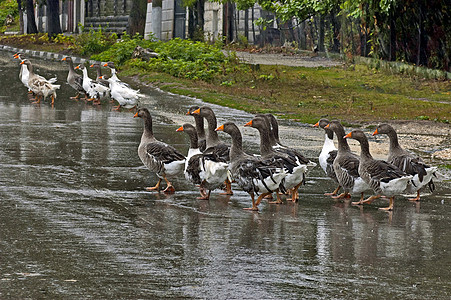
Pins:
<point x="95" y="41"/>
<point x="8" y="7"/>
<point x="122" y="50"/>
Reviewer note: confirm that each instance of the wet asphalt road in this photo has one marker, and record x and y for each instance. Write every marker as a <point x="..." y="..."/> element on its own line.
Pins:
<point x="76" y="223"/>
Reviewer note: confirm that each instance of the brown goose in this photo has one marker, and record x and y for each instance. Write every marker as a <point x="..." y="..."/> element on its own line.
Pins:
<point x="408" y="162"/>
<point x="202" y="169"/>
<point x="384" y="178"/>
<point x="295" y="172"/>
<point x="157" y="156"/>
<point x="40" y="86"/>
<point x="252" y="174"/>
<point x="199" y="121"/>
<point x="346" y="165"/>
<point x="328" y="153"/>
<point x="214" y="146"/>
<point x="73" y="79"/>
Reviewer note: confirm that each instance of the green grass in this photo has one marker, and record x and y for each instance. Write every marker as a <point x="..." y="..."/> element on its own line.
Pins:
<point x="353" y="94"/>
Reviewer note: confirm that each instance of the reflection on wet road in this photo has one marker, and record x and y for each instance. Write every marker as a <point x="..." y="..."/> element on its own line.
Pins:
<point x="75" y="221"/>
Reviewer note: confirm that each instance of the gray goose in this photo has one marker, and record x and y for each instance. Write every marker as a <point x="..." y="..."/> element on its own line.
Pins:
<point x="214" y="146"/>
<point x="202" y="169"/>
<point x="73" y="79"/>
<point x="328" y="153"/>
<point x="254" y="175"/>
<point x="295" y="172"/>
<point x="408" y="162"/>
<point x="157" y="156"/>
<point x="346" y="165"/>
<point x="99" y="77"/>
<point x="199" y="121"/>
<point x="278" y="147"/>
<point x="384" y="178"/>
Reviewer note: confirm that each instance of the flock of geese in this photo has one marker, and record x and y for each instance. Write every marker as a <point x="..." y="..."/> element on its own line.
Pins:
<point x="212" y="164"/>
<point x="280" y="170"/>
<point x="101" y="88"/>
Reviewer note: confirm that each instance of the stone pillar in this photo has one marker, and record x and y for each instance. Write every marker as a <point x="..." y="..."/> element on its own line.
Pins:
<point x="148" y="27"/>
<point x="153" y="19"/>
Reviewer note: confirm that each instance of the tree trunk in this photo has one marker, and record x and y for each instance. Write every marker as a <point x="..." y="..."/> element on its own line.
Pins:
<point x="138" y="17"/>
<point x="392" y="54"/>
<point x="19" y="7"/>
<point x="253" y="25"/>
<point x="53" y="17"/>
<point x="31" y="21"/>
<point x="302" y="36"/>
<point x="246" y="24"/>
<point x="321" y="34"/>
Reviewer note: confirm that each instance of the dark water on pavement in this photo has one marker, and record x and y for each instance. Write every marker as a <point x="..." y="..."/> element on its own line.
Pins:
<point x="76" y="223"/>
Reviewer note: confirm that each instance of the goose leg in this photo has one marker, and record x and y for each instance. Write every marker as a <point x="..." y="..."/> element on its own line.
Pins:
<point x="156" y="187"/>
<point x="278" y="201"/>
<point x="76" y="97"/>
<point x="342" y="195"/>
<point x="367" y="201"/>
<point x="203" y="194"/>
<point x="417" y="198"/>
<point x="295" y="193"/>
<point x="334" y="193"/>
<point x="228" y="190"/>
<point x="169" y="189"/>
<point x="38" y="100"/>
<point x="53" y="100"/>
<point x="390" y="205"/>
<point x="256" y="203"/>
<point x="254" y="207"/>
<point x="260" y="199"/>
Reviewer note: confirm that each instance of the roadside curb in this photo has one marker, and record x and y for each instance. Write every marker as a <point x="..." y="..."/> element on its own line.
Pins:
<point x="46" y="55"/>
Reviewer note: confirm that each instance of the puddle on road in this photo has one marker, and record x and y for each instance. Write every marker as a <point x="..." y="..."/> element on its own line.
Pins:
<point x="75" y="221"/>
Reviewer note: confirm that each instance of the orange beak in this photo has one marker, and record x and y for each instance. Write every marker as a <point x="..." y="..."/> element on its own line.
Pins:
<point x="327" y="126"/>
<point x="105" y="65"/>
<point x="220" y="128"/>
<point x="135" y="115"/>
<point x="180" y="129"/>
<point x="187" y="113"/>
<point x="101" y="77"/>
<point x="316" y="125"/>
<point x="22" y="62"/>
<point x="348" y="136"/>
<point x="77" y="67"/>
<point x="375" y="132"/>
<point x="64" y="58"/>
<point x="248" y="124"/>
<point x="92" y="66"/>
<point x="16" y="56"/>
<point x="197" y="112"/>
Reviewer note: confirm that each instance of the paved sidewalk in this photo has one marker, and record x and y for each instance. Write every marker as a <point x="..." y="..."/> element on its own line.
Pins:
<point x="287" y="60"/>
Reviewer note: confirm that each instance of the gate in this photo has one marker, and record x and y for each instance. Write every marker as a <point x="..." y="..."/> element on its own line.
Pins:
<point x="179" y="19"/>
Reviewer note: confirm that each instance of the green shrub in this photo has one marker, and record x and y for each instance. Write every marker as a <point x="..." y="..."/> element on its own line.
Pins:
<point x="177" y="57"/>
<point x="8" y="7"/>
<point x="94" y="41"/>
<point x="122" y="51"/>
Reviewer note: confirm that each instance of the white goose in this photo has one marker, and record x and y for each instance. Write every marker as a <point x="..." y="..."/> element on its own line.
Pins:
<point x="328" y="153"/>
<point x="40" y="86"/>
<point x="124" y="95"/>
<point x="93" y="89"/>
